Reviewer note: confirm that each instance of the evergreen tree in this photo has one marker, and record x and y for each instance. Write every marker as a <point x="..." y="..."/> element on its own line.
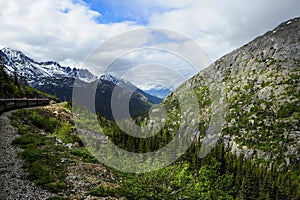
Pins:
<point x="15" y="78"/>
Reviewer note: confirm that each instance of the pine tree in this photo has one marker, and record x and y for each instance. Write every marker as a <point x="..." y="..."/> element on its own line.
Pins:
<point x="15" y="78"/>
<point x="3" y="74"/>
<point x="6" y="84"/>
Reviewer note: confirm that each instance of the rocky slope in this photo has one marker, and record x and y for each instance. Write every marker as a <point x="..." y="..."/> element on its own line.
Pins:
<point x="13" y="182"/>
<point x="250" y="98"/>
<point x="76" y="172"/>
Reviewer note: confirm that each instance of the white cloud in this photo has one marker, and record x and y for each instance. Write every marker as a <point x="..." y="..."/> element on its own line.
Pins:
<point x="149" y="47"/>
<point x="57" y="30"/>
<point x="151" y="67"/>
<point x="143" y="76"/>
<point x="221" y="26"/>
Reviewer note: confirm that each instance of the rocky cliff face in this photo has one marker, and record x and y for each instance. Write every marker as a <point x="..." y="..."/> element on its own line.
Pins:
<point x="250" y="98"/>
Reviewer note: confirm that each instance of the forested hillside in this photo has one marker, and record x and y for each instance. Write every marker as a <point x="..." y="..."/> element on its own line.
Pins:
<point x="246" y="145"/>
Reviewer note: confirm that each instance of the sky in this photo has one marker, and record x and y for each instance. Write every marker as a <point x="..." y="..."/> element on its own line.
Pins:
<point x="95" y="34"/>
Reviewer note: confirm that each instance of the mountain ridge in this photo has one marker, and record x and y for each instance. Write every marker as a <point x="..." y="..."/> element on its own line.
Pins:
<point x="16" y="60"/>
<point x="52" y="78"/>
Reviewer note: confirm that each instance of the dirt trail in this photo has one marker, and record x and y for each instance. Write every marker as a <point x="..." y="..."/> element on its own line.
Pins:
<point x="13" y="183"/>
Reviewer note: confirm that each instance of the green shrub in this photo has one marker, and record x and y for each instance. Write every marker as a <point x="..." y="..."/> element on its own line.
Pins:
<point x="64" y="133"/>
<point x="287" y="110"/>
<point x="105" y="191"/>
<point x="84" y="153"/>
<point x="40" y="173"/>
<point x="32" y="154"/>
<point x="68" y="105"/>
<point x="49" y="124"/>
<point x="23" y="130"/>
<point x="28" y="139"/>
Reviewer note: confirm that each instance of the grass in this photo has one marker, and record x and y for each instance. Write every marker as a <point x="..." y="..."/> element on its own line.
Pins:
<point x="106" y="191"/>
<point x="42" y="156"/>
<point x="64" y="133"/>
<point x="49" y="124"/>
<point x="43" y="161"/>
<point x="85" y="154"/>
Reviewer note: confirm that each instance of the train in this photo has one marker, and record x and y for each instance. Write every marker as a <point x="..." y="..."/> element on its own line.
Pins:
<point x="11" y="104"/>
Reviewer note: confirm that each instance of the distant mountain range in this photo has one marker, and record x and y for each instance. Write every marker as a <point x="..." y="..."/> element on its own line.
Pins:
<point x="52" y="78"/>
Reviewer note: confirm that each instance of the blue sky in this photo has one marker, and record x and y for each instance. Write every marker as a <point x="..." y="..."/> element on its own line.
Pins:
<point x="113" y="11"/>
<point x="67" y="31"/>
<point x="137" y="11"/>
<point x="110" y="13"/>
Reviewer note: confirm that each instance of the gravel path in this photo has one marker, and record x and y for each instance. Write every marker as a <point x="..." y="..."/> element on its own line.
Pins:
<point x="13" y="183"/>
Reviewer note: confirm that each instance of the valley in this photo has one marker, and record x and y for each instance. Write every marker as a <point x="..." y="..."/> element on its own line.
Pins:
<point x="240" y="117"/>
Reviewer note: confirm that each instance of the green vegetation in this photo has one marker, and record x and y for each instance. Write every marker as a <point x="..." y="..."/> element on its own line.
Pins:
<point x="220" y="175"/>
<point x="68" y="105"/>
<point x="42" y="156"/>
<point x="16" y="87"/>
<point x="106" y="191"/>
<point x="46" y="159"/>
<point x="85" y="155"/>
<point x="42" y="161"/>
<point x="258" y="121"/>
<point x="46" y="123"/>
<point x="262" y="113"/>
<point x="288" y="110"/>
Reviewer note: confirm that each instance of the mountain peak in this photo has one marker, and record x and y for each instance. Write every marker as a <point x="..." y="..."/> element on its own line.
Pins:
<point x="15" y="60"/>
<point x="8" y="50"/>
<point x="108" y="77"/>
<point x="16" y="55"/>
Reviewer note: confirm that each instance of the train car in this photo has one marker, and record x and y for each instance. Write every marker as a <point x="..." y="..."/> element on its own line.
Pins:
<point x="11" y="104"/>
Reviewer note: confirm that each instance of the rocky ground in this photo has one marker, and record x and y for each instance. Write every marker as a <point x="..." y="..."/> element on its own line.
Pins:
<point x="81" y="176"/>
<point x="13" y="183"/>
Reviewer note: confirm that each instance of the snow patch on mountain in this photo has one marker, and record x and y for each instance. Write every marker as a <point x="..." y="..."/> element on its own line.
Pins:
<point x="50" y="73"/>
<point x="15" y="60"/>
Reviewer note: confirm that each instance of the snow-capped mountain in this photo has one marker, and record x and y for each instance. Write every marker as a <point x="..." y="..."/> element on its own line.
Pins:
<point x="33" y="71"/>
<point x="52" y="78"/>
